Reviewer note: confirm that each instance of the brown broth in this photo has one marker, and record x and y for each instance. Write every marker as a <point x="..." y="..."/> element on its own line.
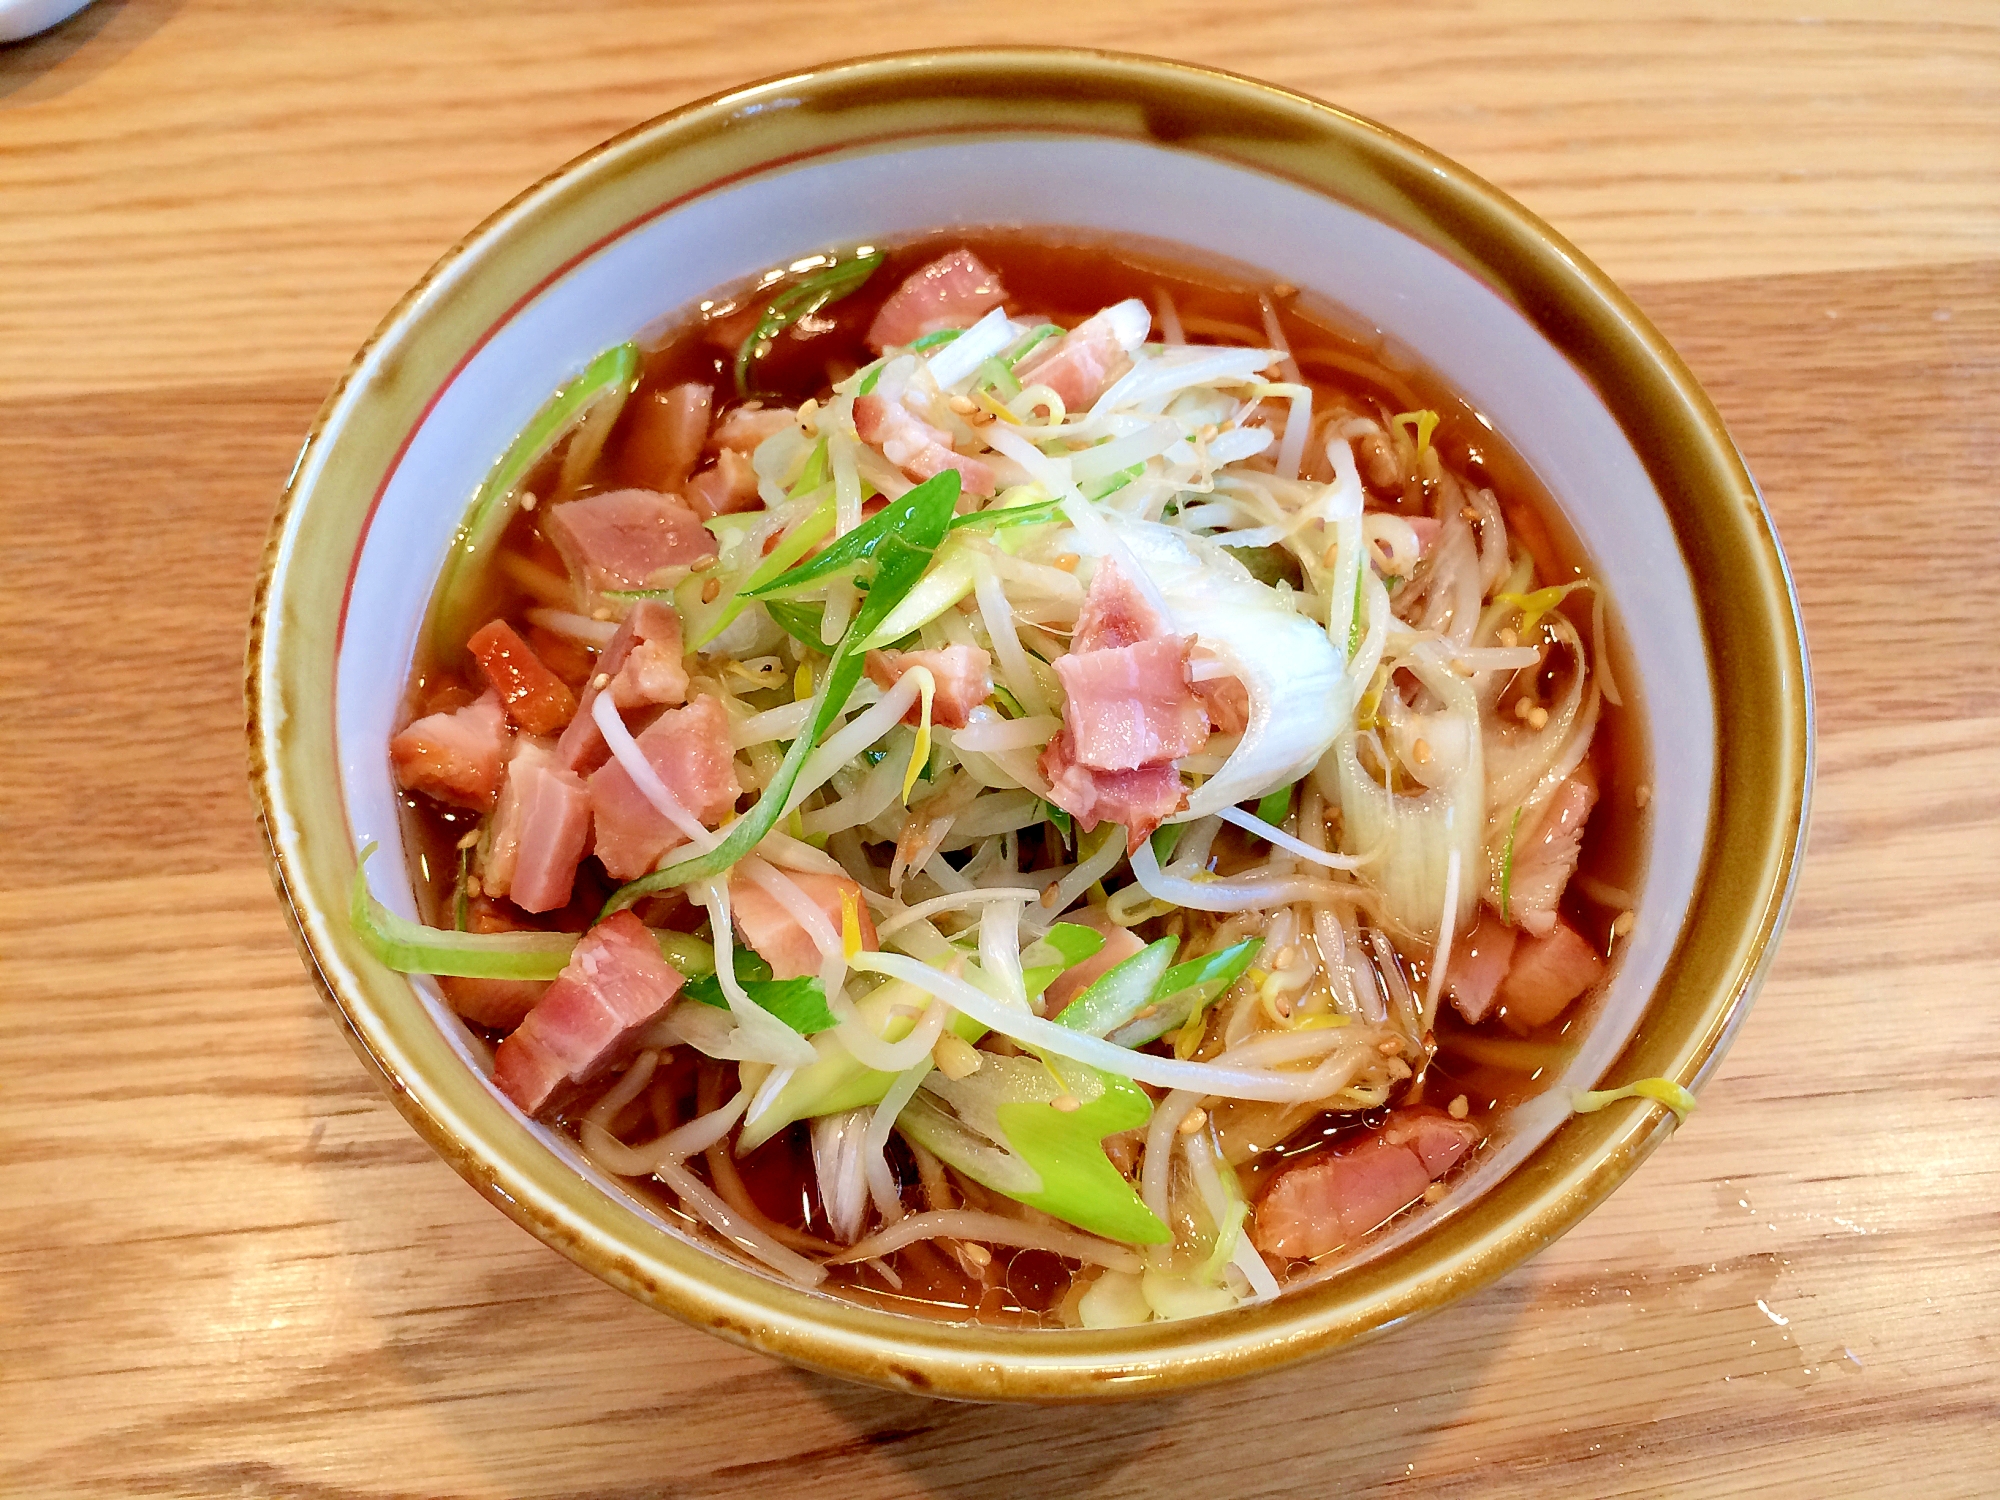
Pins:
<point x="1066" y="278"/>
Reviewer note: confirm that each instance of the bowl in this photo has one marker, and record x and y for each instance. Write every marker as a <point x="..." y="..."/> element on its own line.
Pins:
<point x="1519" y="323"/>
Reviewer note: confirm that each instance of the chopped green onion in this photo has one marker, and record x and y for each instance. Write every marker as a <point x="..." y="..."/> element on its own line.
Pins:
<point x="795" y="544"/>
<point x="935" y="339"/>
<point x="1507" y="866"/>
<point x="995" y="375"/>
<point x="1664" y="1090"/>
<point x="868" y="380"/>
<point x="1063" y="823"/>
<point x="799" y="1003"/>
<point x="1166" y="839"/>
<point x="1097" y="489"/>
<point x="1274" y="807"/>
<point x="1032" y="342"/>
<point x="1121" y="991"/>
<point x="800" y="300"/>
<point x="999" y="516"/>
<point x="463" y="901"/>
<point x="1187" y="989"/>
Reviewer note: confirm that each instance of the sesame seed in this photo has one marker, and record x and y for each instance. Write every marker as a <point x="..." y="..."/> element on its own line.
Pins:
<point x="955" y="1057"/>
<point x="1390" y="1046"/>
<point x="601" y="681"/>
<point x="1459" y="1108"/>
<point x="1284" y="956"/>
<point x="1623" y="923"/>
<point x="1509" y="636"/>
<point x="1642" y="794"/>
<point x="1523" y="707"/>
<point x="1434" y="1193"/>
<point x="471" y="838"/>
<point x="963" y="405"/>
<point x="976" y="1256"/>
<point x="1192" y="1121"/>
<point x="1050" y="892"/>
<point x="808" y="408"/>
<point x="1538" y="718"/>
<point x="1421" y="752"/>
<point x="602" y="612"/>
<point x="710" y="589"/>
<point x="1138" y="1015"/>
<point x="1282" y="1004"/>
<point x="1068" y="561"/>
<point x="472" y="886"/>
<point x="1067" y="1104"/>
<point x="1283" y="290"/>
<point x="528" y="501"/>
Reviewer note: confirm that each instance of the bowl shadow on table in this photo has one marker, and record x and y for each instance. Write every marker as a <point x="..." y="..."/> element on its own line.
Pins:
<point x="75" y="51"/>
<point x="1350" y="1420"/>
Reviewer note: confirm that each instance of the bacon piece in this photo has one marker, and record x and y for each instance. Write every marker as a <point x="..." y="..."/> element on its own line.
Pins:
<point x="777" y="935"/>
<point x="1479" y="961"/>
<point x="1140" y="800"/>
<point x="744" y="427"/>
<point x="1131" y="706"/>
<point x="1114" y="613"/>
<point x="1546" y="858"/>
<point x="540" y="832"/>
<point x="620" y="539"/>
<point x="1079" y="366"/>
<point x="964" y="680"/>
<point x="1333" y="1198"/>
<point x="1227" y="702"/>
<point x="582" y="748"/>
<point x="536" y="699"/>
<point x="689" y="748"/>
<point x="1120" y="943"/>
<point x="1549" y="971"/>
<point x="953" y="291"/>
<point x="614" y="984"/>
<point x="654" y="670"/>
<point x="1427" y="529"/>
<point x="456" y="757"/>
<point x="914" y="446"/>
<point x="727" y="486"/>
<point x="665" y="434"/>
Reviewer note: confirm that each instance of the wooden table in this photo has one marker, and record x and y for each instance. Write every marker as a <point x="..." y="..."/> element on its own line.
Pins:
<point x="227" y="1267"/>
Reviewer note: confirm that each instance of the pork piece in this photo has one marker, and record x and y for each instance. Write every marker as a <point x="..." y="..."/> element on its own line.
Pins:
<point x="1545" y="859"/>
<point x="747" y="426"/>
<point x="1131" y="706"/>
<point x="540" y="832"/>
<point x="1120" y="943"/>
<point x="1227" y="703"/>
<point x="457" y="757"/>
<point x="914" y="446"/>
<point x="1114" y="613"/>
<point x="1549" y="971"/>
<point x="1139" y="800"/>
<point x="1479" y="961"/>
<point x="535" y="698"/>
<point x="689" y="749"/>
<point x="569" y="659"/>
<point x="1079" y="366"/>
<point x="777" y="936"/>
<point x="614" y="984"/>
<point x="1334" y="1198"/>
<point x="964" y="680"/>
<point x="953" y="291"/>
<point x="654" y="669"/>
<point x="725" y="487"/>
<point x="664" y="436"/>
<point x="620" y="539"/>
<point x="496" y="1004"/>
<point x="582" y="748"/>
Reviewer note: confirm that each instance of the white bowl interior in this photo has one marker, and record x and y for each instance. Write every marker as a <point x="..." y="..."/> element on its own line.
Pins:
<point x="1478" y="343"/>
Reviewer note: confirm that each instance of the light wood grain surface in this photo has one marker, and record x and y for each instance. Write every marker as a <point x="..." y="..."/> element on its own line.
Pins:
<point x="227" y="1268"/>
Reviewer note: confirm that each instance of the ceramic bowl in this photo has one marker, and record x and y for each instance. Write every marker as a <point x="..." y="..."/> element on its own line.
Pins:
<point x="1524" y="328"/>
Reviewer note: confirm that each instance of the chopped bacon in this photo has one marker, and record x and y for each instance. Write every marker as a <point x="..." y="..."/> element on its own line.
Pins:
<point x="540" y="832"/>
<point x="744" y="427"/>
<point x="621" y="538"/>
<point x="1079" y="366"/>
<point x="1546" y="858"/>
<point x="582" y="748"/>
<point x="536" y="699"/>
<point x="1479" y="961"/>
<point x="614" y="984"/>
<point x="654" y="670"/>
<point x="725" y="487"/>
<point x="456" y="757"/>
<point x="1140" y="800"/>
<point x="953" y="291"/>
<point x="1548" y="972"/>
<point x="1114" y="613"/>
<point x="1131" y="706"/>
<point x="914" y="446"/>
<point x="777" y="935"/>
<point x="1333" y="1198"/>
<point x="1120" y="943"/>
<point x="1227" y="702"/>
<point x="964" y="676"/>
<point x="689" y="748"/>
<point x="1427" y="529"/>
<point x="664" y="435"/>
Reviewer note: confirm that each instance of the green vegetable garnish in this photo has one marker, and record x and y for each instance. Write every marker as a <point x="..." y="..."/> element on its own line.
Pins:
<point x="1166" y="839"/>
<point x="1121" y="991"/>
<point x="1186" y="990"/>
<point x="899" y="541"/>
<point x="799" y="1003"/>
<point x="1664" y="1090"/>
<point x="605" y="383"/>
<point x="1060" y="819"/>
<point x="791" y="547"/>
<point x="801" y="299"/>
<point x="936" y="338"/>
<point x="1036" y="514"/>
<point x="1507" y="866"/>
<point x="462" y="900"/>
<point x="1272" y="807"/>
